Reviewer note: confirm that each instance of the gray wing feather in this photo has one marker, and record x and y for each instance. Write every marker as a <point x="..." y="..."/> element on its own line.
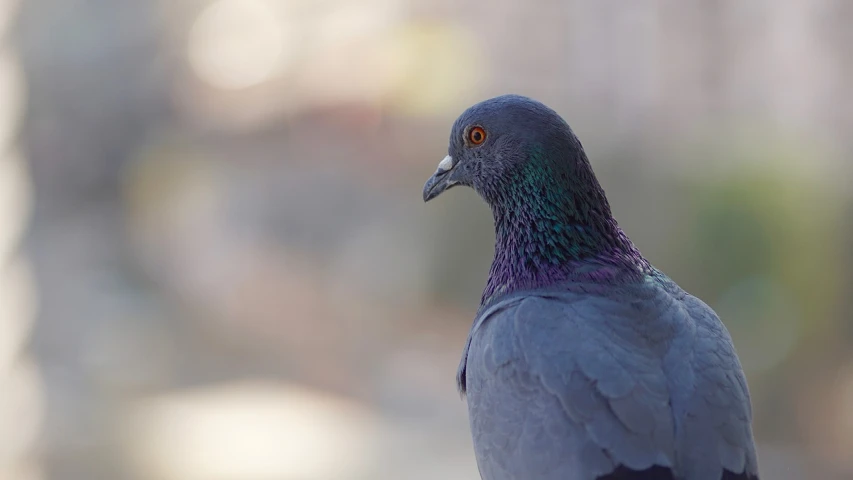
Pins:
<point x="713" y="411"/>
<point x="572" y="386"/>
<point x="628" y="419"/>
<point x="562" y="369"/>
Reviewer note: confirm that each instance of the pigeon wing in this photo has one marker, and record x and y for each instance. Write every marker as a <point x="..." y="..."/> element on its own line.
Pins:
<point x="556" y="391"/>
<point x="711" y="404"/>
<point x="578" y="386"/>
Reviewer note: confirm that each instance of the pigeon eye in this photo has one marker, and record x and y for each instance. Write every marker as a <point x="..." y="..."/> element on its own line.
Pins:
<point x="476" y="135"/>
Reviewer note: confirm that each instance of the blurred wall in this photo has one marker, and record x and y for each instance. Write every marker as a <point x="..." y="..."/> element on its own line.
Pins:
<point x="216" y="263"/>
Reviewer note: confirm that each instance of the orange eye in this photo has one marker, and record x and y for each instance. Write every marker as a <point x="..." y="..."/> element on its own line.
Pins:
<point x="476" y="135"/>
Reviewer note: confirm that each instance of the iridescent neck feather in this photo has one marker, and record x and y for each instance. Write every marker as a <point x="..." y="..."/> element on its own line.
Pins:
<point x="553" y="225"/>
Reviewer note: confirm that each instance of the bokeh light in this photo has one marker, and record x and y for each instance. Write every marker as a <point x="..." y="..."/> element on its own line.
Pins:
<point x="21" y="411"/>
<point x="235" y="44"/>
<point x="251" y="431"/>
<point x="7" y="13"/>
<point x="22" y="403"/>
<point x="12" y="94"/>
<point x="17" y="295"/>
<point x="15" y="199"/>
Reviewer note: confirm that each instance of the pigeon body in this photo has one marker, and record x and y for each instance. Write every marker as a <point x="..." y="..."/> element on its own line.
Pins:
<point x="584" y="361"/>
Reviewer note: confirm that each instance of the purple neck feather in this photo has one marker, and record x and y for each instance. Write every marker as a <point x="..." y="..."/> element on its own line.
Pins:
<point x="545" y="237"/>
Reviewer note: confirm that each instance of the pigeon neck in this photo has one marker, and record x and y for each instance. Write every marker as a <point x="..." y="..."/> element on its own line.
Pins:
<point x="548" y="233"/>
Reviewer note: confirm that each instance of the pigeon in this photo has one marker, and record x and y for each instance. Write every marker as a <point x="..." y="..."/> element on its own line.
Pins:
<point x="584" y="361"/>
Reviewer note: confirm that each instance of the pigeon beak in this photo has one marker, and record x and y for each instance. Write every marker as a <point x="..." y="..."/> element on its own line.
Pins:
<point x="441" y="180"/>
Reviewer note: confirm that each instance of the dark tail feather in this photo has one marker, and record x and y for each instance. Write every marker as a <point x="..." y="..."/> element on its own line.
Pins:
<point x="727" y="475"/>
<point x="663" y="473"/>
<point x="653" y="473"/>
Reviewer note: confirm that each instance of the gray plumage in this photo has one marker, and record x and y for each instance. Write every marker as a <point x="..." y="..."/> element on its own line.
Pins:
<point x="568" y="385"/>
<point x="584" y="361"/>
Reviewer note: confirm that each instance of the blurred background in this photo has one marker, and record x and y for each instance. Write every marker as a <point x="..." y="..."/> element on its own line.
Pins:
<point x="215" y="263"/>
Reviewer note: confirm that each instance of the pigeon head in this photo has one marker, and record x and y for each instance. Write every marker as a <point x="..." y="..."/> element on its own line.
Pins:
<point x="550" y="211"/>
<point x="507" y="140"/>
<point x="518" y="153"/>
<point x="493" y="144"/>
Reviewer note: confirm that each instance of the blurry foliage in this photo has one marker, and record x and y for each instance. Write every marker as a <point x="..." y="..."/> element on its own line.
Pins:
<point x="767" y="220"/>
<point x="763" y="247"/>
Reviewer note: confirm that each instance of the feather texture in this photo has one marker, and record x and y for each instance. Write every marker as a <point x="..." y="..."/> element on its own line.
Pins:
<point x="584" y="361"/>
<point x="563" y="384"/>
